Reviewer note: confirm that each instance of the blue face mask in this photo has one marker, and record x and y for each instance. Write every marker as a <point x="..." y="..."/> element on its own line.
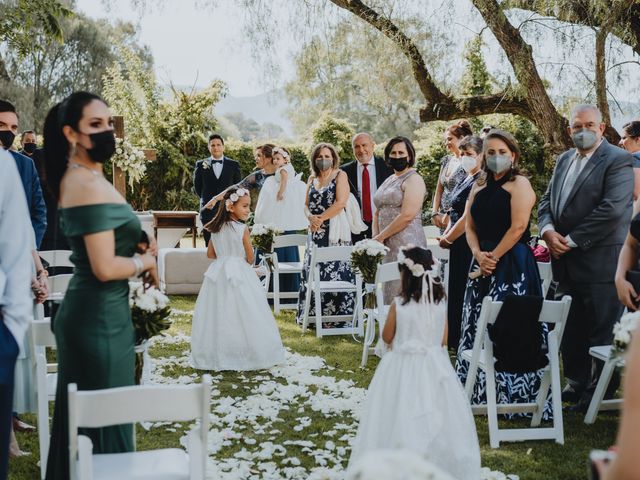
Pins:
<point x="584" y="139"/>
<point x="498" y="163"/>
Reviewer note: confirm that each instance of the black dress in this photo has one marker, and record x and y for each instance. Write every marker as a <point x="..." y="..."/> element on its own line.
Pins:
<point x="459" y="261"/>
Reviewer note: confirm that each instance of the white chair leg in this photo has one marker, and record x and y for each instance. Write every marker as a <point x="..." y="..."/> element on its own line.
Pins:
<point x="492" y="408"/>
<point x="556" y="390"/>
<point x="276" y="290"/>
<point x="541" y="398"/>
<point x="598" y="395"/>
<point x="307" y="303"/>
<point x="366" y="343"/>
<point x="318" y="308"/>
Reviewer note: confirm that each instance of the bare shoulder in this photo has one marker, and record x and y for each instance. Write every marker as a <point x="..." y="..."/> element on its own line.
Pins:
<point x="519" y="182"/>
<point x="81" y="187"/>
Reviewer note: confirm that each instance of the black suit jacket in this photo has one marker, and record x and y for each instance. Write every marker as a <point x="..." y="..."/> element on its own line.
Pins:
<point x="207" y="185"/>
<point x="596" y="215"/>
<point x="351" y="169"/>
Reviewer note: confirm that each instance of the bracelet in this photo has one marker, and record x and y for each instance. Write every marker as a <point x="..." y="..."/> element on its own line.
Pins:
<point x="137" y="262"/>
<point x="447" y="241"/>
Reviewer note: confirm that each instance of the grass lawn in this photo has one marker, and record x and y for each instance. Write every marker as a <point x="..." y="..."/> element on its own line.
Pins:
<point x="297" y="421"/>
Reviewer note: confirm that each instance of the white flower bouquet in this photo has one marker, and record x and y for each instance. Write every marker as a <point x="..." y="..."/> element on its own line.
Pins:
<point x="623" y="330"/>
<point x="131" y="161"/>
<point x="367" y="254"/>
<point x="262" y="236"/>
<point x="150" y="316"/>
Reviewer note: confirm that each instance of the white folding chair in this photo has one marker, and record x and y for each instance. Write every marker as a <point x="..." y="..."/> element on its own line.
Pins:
<point x="317" y="287"/>
<point x="58" y="284"/>
<point x="432" y="233"/>
<point x="116" y="406"/>
<point x="546" y="275"/>
<point x="481" y="357"/>
<point x="611" y="362"/>
<point x="386" y="272"/>
<point x="294" y="240"/>
<point x="41" y="338"/>
<point x="56" y="258"/>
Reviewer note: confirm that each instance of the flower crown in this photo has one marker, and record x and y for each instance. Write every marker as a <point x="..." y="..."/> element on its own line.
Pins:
<point x="235" y="196"/>
<point x="417" y="269"/>
<point x="282" y="152"/>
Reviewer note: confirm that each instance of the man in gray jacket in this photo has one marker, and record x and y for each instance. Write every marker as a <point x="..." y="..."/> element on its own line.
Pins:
<point x="584" y="218"/>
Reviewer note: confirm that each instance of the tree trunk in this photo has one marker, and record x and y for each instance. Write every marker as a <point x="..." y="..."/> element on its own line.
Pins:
<point x="601" y="84"/>
<point x="4" y="74"/>
<point x="544" y="114"/>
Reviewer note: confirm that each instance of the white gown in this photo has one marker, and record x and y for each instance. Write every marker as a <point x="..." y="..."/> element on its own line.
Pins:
<point x="415" y="400"/>
<point x="233" y="327"/>
<point x="286" y="214"/>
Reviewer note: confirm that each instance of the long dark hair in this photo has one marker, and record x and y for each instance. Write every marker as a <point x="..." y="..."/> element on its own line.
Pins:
<point x="222" y="215"/>
<point x="56" y="147"/>
<point x="411" y="285"/>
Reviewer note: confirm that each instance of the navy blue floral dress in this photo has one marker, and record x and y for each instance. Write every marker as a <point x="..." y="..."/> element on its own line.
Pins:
<point x="516" y="274"/>
<point x="332" y="303"/>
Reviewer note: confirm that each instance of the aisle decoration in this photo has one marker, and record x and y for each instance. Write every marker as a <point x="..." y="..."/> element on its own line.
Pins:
<point x="623" y="331"/>
<point x="367" y="254"/>
<point x="150" y="314"/>
<point x="131" y="161"/>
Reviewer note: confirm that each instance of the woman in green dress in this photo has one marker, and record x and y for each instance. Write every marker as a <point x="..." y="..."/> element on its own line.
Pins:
<point x="93" y="329"/>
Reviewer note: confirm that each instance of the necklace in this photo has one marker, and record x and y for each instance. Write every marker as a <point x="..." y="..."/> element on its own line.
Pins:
<point x="79" y="165"/>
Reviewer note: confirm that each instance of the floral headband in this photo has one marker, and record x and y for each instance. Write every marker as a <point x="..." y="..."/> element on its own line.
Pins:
<point x="417" y="269"/>
<point x="282" y="152"/>
<point x="235" y="196"/>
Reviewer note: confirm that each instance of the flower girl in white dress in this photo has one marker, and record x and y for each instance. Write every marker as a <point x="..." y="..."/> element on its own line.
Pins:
<point x="282" y="197"/>
<point x="415" y="400"/>
<point x="233" y="327"/>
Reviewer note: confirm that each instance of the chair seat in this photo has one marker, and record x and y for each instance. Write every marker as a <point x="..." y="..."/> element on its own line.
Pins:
<point x="336" y="285"/>
<point x="466" y="355"/>
<point x="603" y="352"/>
<point x="166" y="464"/>
<point x="290" y="267"/>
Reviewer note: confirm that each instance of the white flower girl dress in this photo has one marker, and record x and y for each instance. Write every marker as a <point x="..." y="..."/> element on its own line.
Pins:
<point x="286" y="214"/>
<point x="233" y="327"/>
<point x="415" y="400"/>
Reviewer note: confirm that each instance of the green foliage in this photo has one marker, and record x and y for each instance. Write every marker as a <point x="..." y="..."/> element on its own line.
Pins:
<point x="336" y="131"/>
<point x="476" y="79"/>
<point x="176" y="129"/>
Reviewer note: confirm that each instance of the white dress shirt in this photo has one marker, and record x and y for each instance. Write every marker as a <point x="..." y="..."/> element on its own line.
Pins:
<point x="16" y="242"/>
<point x="572" y="167"/>
<point x="373" y="185"/>
<point x="217" y="167"/>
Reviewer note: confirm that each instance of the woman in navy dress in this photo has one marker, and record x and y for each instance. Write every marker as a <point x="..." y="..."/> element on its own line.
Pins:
<point x="497" y="230"/>
<point x="327" y="197"/>
<point x="454" y="237"/>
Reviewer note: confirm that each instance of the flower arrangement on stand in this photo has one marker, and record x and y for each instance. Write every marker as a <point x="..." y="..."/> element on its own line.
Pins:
<point x="131" y="161"/>
<point x="262" y="237"/>
<point x="150" y="316"/>
<point x="367" y="254"/>
<point x="623" y="331"/>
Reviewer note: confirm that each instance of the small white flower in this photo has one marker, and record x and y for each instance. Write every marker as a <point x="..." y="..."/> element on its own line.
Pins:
<point x="234" y="197"/>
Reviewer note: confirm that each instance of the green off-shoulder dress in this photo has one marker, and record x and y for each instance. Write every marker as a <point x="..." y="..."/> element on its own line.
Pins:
<point x="93" y="330"/>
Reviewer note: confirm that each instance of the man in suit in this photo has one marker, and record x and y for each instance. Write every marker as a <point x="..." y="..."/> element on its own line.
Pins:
<point x="26" y="169"/>
<point x="212" y="176"/>
<point x="365" y="175"/>
<point x="584" y="218"/>
<point x="16" y="302"/>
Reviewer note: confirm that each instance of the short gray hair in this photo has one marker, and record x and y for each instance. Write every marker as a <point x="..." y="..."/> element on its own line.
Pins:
<point x="359" y="134"/>
<point x="585" y="107"/>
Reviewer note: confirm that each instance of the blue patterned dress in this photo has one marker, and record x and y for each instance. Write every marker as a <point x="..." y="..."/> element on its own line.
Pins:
<point x="332" y="303"/>
<point x="516" y="274"/>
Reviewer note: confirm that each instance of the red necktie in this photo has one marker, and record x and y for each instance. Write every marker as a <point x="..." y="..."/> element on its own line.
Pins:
<point x="366" y="194"/>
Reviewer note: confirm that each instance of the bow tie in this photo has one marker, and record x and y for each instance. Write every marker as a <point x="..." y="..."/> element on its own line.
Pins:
<point x="213" y="162"/>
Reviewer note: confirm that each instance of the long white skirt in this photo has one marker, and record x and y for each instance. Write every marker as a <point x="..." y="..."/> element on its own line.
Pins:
<point x="415" y="402"/>
<point x="233" y="327"/>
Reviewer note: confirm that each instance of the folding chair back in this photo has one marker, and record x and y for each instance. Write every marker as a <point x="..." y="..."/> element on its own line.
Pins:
<point x="280" y="268"/>
<point x="56" y="258"/>
<point x="546" y="275"/>
<point x="386" y="272"/>
<point x="481" y="357"/>
<point x="317" y="287"/>
<point x="116" y="406"/>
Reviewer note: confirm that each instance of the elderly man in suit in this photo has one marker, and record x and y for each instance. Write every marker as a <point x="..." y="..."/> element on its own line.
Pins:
<point x="212" y="176"/>
<point x="584" y="218"/>
<point x="365" y="175"/>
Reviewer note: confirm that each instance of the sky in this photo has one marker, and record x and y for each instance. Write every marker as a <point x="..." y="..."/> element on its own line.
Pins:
<point x="192" y="44"/>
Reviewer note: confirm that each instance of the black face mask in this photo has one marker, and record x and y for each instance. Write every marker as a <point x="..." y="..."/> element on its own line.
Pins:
<point x="398" y="164"/>
<point x="29" y="147"/>
<point x="103" y="146"/>
<point x="7" y="137"/>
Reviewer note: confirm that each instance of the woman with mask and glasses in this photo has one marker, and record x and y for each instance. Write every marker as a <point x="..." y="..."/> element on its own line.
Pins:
<point x="630" y="141"/>
<point x="327" y="196"/>
<point x="454" y="237"/>
<point x="94" y="333"/>
<point x="398" y="217"/>
<point x="497" y="229"/>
